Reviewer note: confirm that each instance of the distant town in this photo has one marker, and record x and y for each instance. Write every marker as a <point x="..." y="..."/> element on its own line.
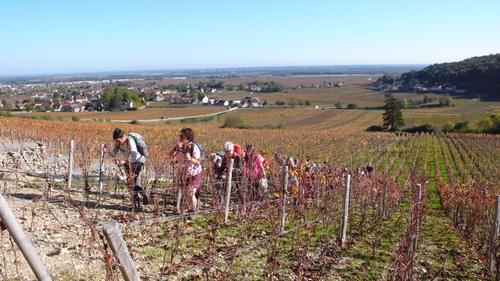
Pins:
<point x="81" y="96"/>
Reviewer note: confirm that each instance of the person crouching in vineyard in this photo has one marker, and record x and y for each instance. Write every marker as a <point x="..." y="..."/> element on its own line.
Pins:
<point x="293" y="180"/>
<point x="219" y="190"/>
<point x="256" y="174"/>
<point x="133" y="147"/>
<point x="233" y="151"/>
<point x="186" y="154"/>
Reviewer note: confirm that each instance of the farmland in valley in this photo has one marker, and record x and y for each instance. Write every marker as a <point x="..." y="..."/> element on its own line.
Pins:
<point x="321" y="114"/>
<point x="458" y="174"/>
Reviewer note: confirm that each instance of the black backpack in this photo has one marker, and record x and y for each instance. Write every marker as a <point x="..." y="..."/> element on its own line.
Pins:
<point x="140" y="143"/>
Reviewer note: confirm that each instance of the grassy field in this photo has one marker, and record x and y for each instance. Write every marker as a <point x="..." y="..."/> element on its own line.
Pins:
<point x="357" y="93"/>
<point x="143" y="114"/>
<point x="325" y="116"/>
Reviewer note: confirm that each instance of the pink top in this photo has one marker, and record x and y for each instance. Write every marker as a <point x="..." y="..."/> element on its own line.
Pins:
<point x="186" y="166"/>
<point x="257" y="170"/>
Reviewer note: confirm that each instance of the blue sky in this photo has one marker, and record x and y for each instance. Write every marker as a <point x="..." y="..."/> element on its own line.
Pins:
<point x="56" y="37"/>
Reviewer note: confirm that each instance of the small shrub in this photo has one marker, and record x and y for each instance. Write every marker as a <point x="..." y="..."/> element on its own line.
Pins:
<point x="463" y="127"/>
<point x="233" y="122"/>
<point x="75" y="119"/>
<point x="448" y="127"/>
<point x="427" y="128"/>
<point x="5" y="113"/>
<point x="281" y="126"/>
<point x="188" y="121"/>
<point x="135" y="122"/>
<point x="375" y="128"/>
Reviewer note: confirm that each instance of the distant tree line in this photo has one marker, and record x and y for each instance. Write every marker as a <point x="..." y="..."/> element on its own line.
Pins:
<point x="477" y="74"/>
<point x="266" y="87"/>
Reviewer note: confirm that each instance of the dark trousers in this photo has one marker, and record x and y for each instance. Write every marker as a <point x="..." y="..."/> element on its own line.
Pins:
<point x="133" y="170"/>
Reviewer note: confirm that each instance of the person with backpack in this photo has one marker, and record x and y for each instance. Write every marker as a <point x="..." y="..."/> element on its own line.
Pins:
<point x="233" y="151"/>
<point x="187" y="155"/>
<point x="133" y="147"/>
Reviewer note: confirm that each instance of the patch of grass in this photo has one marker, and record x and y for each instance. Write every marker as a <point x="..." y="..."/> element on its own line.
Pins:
<point x="440" y="160"/>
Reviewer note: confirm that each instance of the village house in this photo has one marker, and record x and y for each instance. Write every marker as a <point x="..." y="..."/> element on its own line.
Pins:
<point x="255" y="88"/>
<point x="18" y="104"/>
<point x="436" y="88"/>
<point x="81" y="99"/>
<point x="205" y="100"/>
<point x="158" y="96"/>
<point x="220" y="103"/>
<point x="126" y="105"/>
<point x="173" y="98"/>
<point x="57" y="106"/>
<point x="250" y="102"/>
<point x="208" y="90"/>
<point x="169" y="91"/>
<point x="39" y="95"/>
<point x="70" y="107"/>
<point x="47" y="104"/>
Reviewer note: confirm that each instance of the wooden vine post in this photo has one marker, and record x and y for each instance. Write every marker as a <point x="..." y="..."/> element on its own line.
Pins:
<point x="228" y="189"/>
<point x="283" y="198"/>
<point x="119" y="247"/>
<point x="16" y="231"/>
<point x="346" y="210"/>
<point x="101" y="169"/>
<point x="70" y="164"/>
<point x="494" y="238"/>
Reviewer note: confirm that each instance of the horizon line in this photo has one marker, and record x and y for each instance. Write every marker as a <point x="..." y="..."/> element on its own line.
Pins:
<point x="180" y="69"/>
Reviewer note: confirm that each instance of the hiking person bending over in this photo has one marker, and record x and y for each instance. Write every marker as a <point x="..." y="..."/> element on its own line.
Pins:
<point x="186" y="154"/>
<point x="256" y="174"/>
<point x="128" y="146"/>
<point x="232" y="151"/>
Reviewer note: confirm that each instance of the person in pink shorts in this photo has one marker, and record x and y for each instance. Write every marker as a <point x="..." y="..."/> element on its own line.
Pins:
<point x="186" y="155"/>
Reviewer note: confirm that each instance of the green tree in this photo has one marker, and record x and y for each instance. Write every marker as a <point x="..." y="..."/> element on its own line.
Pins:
<point x="490" y="124"/>
<point x="242" y="87"/>
<point x="387" y="79"/>
<point x="447" y="101"/>
<point x="463" y="127"/>
<point x="404" y="103"/>
<point x="56" y="97"/>
<point x="115" y="102"/>
<point x="229" y="87"/>
<point x="393" y="117"/>
<point x="5" y="103"/>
